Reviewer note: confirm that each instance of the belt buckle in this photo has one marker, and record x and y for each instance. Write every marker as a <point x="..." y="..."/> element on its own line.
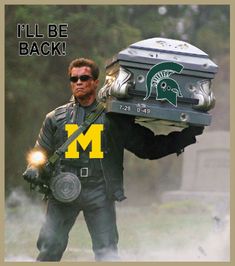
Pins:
<point x="84" y="172"/>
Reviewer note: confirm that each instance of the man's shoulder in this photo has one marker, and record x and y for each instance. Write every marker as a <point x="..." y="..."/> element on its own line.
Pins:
<point x="59" y="112"/>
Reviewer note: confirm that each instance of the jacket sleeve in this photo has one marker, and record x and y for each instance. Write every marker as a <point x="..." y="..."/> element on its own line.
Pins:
<point x="45" y="138"/>
<point x="143" y="143"/>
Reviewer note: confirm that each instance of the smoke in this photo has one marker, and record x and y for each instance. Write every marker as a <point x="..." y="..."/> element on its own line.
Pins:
<point x="208" y="240"/>
<point x="19" y="258"/>
<point x="177" y="232"/>
<point x="215" y="248"/>
<point x="23" y="217"/>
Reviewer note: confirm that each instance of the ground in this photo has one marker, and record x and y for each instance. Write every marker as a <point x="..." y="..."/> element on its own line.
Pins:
<point x="174" y="231"/>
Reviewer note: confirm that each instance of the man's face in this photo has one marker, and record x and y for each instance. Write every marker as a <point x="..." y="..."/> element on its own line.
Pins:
<point x="82" y="89"/>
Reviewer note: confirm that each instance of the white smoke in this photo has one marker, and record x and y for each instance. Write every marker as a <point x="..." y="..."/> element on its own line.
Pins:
<point x="215" y="248"/>
<point x="19" y="259"/>
<point x="24" y="217"/>
<point x="210" y="246"/>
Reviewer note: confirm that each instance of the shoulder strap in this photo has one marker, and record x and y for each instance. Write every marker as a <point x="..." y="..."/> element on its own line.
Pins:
<point x="89" y="120"/>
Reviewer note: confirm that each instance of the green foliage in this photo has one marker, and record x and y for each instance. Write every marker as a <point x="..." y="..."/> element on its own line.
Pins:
<point x="35" y="85"/>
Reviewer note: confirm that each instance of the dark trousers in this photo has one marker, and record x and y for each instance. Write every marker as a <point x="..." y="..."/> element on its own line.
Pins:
<point x="100" y="217"/>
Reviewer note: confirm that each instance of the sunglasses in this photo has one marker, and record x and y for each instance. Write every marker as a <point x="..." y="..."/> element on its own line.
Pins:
<point x="82" y="78"/>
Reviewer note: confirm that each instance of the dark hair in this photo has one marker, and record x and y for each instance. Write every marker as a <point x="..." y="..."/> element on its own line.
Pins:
<point x="80" y="62"/>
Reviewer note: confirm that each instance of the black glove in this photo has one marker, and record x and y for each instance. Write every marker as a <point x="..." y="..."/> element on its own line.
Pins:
<point x="31" y="174"/>
<point x="187" y="137"/>
<point x="194" y="131"/>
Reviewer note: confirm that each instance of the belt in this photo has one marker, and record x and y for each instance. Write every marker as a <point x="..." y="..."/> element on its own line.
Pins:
<point x="85" y="178"/>
<point x="85" y="174"/>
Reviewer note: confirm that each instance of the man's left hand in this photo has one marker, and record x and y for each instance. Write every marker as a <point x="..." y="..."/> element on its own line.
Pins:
<point x="194" y="131"/>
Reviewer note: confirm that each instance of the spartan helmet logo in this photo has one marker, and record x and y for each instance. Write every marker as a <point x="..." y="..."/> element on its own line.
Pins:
<point x="158" y="78"/>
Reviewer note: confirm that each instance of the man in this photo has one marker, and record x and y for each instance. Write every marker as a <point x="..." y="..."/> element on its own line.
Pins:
<point x="102" y="185"/>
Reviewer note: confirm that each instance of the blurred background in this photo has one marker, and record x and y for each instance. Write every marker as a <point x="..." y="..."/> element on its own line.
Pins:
<point x="35" y="85"/>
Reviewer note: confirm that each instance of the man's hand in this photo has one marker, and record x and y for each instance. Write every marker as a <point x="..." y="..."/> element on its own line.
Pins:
<point x="31" y="174"/>
<point x="194" y="131"/>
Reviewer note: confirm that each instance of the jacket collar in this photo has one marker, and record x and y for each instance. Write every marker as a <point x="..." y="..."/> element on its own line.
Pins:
<point x="74" y="101"/>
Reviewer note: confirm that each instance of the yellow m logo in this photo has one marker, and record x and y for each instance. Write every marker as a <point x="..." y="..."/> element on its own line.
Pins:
<point x="92" y="135"/>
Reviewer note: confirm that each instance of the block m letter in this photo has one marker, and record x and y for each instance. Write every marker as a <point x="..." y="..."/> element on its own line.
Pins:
<point x="93" y="136"/>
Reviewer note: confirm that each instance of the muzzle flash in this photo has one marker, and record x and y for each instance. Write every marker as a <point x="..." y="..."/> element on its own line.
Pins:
<point x="36" y="158"/>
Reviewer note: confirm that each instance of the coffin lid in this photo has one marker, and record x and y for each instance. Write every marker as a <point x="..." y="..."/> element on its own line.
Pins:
<point x="155" y="50"/>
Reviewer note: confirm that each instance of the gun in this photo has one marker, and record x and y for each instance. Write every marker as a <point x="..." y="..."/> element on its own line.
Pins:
<point x="64" y="186"/>
<point x="42" y="183"/>
<point x="37" y="159"/>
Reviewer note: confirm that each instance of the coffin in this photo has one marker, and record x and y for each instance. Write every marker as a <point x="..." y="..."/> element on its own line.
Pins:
<point x="161" y="80"/>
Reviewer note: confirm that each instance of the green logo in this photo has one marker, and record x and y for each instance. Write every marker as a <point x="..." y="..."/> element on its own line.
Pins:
<point x="158" y="78"/>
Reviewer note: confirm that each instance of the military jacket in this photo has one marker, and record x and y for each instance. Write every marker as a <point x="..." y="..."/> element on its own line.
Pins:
<point x="120" y="132"/>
